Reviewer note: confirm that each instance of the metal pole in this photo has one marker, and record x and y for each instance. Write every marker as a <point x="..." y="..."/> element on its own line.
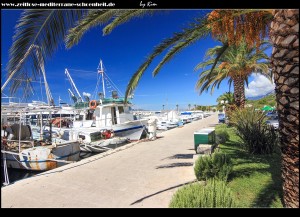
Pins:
<point x="20" y="127"/>
<point x="72" y="82"/>
<point x="41" y="132"/>
<point x="101" y="71"/>
<point x="50" y="116"/>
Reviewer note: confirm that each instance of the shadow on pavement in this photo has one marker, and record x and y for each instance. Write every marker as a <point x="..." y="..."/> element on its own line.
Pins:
<point x="176" y="186"/>
<point x="180" y="156"/>
<point x="174" y="165"/>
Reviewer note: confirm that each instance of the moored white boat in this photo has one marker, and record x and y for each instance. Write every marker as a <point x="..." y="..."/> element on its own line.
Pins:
<point x="106" y="113"/>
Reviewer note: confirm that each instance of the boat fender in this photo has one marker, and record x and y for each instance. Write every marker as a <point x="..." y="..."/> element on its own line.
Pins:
<point x="107" y="134"/>
<point x="112" y="133"/>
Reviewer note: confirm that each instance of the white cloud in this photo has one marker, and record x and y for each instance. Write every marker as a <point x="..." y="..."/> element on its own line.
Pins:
<point x="259" y="86"/>
<point x="86" y="94"/>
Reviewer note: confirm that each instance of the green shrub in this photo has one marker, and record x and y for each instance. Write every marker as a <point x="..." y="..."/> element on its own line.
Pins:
<point x="221" y="136"/>
<point x="218" y="165"/>
<point x="257" y="137"/>
<point x="203" y="168"/>
<point x="260" y="140"/>
<point x="222" y="165"/>
<point x="214" y="194"/>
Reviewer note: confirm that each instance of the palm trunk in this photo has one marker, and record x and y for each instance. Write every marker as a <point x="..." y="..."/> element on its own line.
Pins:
<point x="284" y="34"/>
<point x="239" y="92"/>
<point x="242" y="92"/>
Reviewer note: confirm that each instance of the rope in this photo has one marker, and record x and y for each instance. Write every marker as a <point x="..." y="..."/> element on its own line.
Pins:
<point x="113" y="84"/>
<point x="96" y="88"/>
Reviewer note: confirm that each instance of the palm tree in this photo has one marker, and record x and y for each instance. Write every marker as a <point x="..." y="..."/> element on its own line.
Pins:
<point x="163" y="107"/>
<point x="225" y="97"/>
<point x="189" y="105"/>
<point x="195" y="106"/>
<point x="236" y="63"/>
<point x="284" y="35"/>
<point x="177" y="107"/>
<point x="285" y="61"/>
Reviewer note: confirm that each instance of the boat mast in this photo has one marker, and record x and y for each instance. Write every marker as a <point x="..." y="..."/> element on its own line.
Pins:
<point x="48" y="93"/>
<point x="101" y="71"/>
<point x="73" y="84"/>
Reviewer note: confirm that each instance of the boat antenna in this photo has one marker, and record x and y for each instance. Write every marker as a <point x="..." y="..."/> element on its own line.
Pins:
<point x="101" y="71"/>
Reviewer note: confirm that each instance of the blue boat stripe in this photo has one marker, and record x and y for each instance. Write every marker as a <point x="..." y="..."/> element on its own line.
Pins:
<point x="40" y="161"/>
<point x="132" y="128"/>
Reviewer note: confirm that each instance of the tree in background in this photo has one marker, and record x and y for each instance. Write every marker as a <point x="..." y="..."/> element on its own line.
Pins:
<point x="225" y="97"/>
<point x="237" y="63"/>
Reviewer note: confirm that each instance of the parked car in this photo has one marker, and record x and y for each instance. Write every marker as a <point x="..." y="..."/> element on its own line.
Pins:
<point x="221" y="118"/>
<point x="273" y="122"/>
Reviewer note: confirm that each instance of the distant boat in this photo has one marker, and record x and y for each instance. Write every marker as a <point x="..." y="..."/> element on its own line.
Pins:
<point x="186" y="117"/>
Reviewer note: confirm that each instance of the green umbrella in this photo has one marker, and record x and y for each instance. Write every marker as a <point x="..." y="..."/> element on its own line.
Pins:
<point x="267" y="108"/>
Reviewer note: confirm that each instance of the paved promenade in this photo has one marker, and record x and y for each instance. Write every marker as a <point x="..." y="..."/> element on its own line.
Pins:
<point x="145" y="174"/>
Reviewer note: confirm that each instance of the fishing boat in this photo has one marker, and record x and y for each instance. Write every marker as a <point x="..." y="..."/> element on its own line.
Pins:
<point x="39" y="156"/>
<point x="20" y="150"/>
<point x="106" y="113"/>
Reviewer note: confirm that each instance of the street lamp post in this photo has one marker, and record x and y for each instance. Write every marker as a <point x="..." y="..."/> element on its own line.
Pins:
<point x="223" y="102"/>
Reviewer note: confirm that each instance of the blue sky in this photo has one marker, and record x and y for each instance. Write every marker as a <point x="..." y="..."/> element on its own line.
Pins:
<point x="122" y="53"/>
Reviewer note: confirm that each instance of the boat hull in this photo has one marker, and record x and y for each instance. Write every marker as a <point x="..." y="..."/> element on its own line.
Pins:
<point x="43" y="158"/>
<point x="131" y="130"/>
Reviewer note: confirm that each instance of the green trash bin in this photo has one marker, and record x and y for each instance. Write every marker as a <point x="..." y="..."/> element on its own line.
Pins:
<point x="204" y="136"/>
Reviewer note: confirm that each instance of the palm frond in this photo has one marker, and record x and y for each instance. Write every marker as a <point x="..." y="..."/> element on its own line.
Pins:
<point x="92" y="19"/>
<point x="219" y="55"/>
<point x="196" y="35"/>
<point x="125" y="16"/>
<point x="203" y="65"/>
<point x="43" y="28"/>
<point x="166" y="43"/>
<point x="213" y="51"/>
<point x="210" y="80"/>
